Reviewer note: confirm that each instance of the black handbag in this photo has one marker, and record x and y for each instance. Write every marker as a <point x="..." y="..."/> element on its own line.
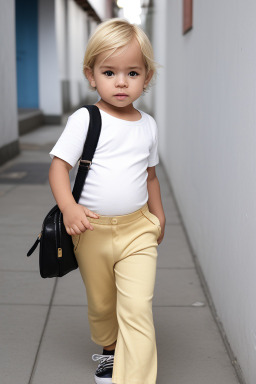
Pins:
<point x="56" y="251"/>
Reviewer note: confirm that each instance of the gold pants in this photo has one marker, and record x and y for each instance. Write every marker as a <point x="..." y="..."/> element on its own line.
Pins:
<point x="117" y="262"/>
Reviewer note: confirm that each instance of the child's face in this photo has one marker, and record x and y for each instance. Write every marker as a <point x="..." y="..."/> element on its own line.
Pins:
<point x="123" y="73"/>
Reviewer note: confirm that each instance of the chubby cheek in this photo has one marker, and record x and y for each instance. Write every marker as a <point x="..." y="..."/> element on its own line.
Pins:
<point x="103" y="87"/>
<point x="137" y="90"/>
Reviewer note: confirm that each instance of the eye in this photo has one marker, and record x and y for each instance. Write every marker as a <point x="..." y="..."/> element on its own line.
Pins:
<point x="108" y="73"/>
<point x="133" y="73"/>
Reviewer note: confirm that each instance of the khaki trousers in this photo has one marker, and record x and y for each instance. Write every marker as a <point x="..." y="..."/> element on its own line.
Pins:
<point x="117" y="262"/>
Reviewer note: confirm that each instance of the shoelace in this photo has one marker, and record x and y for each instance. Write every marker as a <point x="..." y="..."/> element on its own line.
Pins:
<point x="106" y="361"/>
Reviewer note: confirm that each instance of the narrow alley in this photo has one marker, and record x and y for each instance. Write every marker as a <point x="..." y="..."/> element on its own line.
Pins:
<point x="44" y="331"/>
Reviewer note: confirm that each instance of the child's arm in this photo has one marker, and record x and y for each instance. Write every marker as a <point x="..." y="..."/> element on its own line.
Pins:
<point x="74" y="215"/>
<point x="154" y="199"/>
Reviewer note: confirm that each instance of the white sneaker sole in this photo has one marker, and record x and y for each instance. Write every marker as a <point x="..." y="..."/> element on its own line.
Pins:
<point x="102" y="380"/>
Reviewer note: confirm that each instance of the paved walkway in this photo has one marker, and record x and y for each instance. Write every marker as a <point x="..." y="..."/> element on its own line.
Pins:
<point x="44" y="332"/>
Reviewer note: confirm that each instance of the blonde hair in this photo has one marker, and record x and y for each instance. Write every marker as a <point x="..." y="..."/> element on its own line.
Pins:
<point x="113" y="34"/>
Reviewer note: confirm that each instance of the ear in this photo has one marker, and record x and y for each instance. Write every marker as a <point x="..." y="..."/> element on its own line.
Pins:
<point x="89" y="75"/>
<point x="148" y="77"/>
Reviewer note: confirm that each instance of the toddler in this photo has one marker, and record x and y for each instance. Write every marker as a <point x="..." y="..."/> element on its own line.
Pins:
<point x="119" y="220"/>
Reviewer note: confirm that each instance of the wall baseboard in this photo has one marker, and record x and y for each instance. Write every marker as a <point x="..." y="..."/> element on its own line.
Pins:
<point x="52" y="119"/>
<point x="29" y="120"/>
<point x="9" y="151"/>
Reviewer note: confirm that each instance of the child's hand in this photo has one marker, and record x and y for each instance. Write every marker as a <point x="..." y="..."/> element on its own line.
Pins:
<point x="160" y="238"/>
<point x="75" y="220"/>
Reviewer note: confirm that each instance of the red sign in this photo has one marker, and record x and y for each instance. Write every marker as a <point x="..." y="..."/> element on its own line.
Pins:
<point x="187" y="15"/>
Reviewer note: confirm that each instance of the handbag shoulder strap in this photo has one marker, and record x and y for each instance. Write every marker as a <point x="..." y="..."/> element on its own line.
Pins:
<point x="90" y="146"/>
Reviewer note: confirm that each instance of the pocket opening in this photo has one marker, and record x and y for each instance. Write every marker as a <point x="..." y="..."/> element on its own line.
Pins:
<point x="152" y="218"/>
<point x="76" y="241"/>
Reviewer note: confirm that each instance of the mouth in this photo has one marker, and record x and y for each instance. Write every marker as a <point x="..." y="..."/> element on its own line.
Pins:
<point x="121" y="96"/>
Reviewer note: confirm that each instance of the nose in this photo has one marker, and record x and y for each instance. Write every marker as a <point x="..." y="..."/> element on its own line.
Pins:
<point x="121" y="81"/>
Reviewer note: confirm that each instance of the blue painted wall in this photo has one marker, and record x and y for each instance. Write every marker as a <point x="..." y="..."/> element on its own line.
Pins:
<point x="27" y="53"/>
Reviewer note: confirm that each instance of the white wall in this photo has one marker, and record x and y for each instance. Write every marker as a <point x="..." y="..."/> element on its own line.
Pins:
<point x="49" y="85"/>
<point x="61" y="34"/>
<point x="160" y="43"/>
<point x="77" y="40"/>
<point x="209" y="152"/>
<point x="8" y="94"/>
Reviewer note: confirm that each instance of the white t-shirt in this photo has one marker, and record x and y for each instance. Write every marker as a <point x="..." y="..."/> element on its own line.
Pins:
<point x="116" y="183"/>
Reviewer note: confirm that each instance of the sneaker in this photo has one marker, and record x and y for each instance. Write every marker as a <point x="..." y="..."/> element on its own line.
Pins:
<point x="103" y="374"/>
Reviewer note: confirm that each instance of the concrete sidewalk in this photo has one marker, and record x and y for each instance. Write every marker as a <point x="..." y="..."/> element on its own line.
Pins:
<point x="44" y="331"/>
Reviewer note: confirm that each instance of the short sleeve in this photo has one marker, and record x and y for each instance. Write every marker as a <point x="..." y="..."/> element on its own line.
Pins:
<point x="153" y="158"/>
<point x="70" y="144"/>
